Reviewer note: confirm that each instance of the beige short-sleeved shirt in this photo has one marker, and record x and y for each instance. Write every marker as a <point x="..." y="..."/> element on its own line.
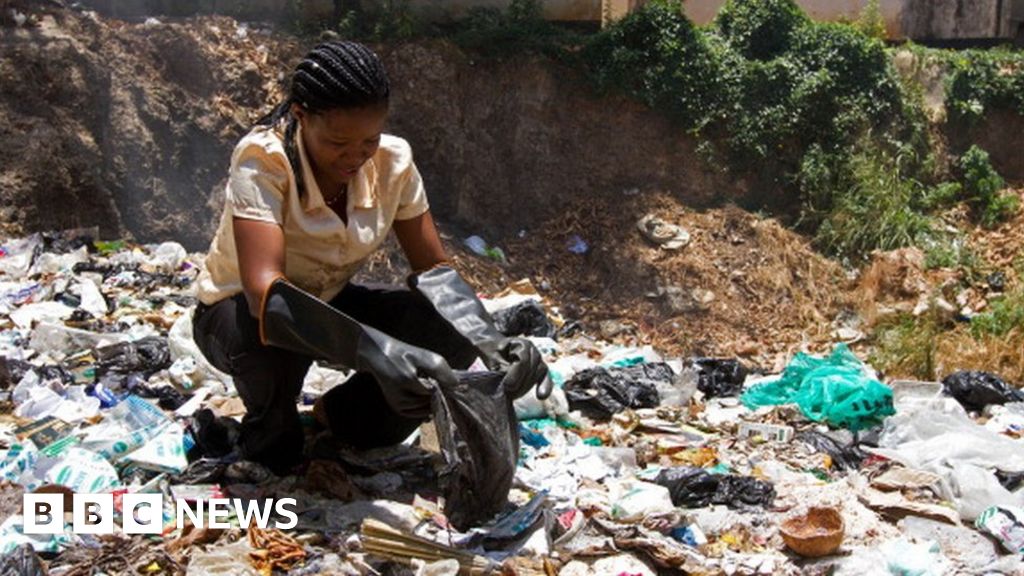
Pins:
<point x="321" y="252"/>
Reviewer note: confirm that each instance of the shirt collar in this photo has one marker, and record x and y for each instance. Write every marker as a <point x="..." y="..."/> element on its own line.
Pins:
<point x="362" y="189"/>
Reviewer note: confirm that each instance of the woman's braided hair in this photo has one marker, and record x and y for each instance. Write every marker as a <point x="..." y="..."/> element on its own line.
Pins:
<point x="336" y="74"/>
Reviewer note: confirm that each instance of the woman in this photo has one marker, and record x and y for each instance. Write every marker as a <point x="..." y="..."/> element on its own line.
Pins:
<point x="313" y="191"/>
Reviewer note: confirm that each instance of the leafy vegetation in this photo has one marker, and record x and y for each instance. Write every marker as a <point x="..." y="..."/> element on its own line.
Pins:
<point x="1004" y="315"/>
<point x="983" y="188"/>
<point x="870" y="22"/>
<point x="983" y="80"/>
<point x="520" y="28"/>
<point x="814" y="113"/>
<point x="906" y="345"/>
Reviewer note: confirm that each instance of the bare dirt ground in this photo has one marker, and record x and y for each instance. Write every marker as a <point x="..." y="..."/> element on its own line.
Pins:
<point x="744" y="285"/>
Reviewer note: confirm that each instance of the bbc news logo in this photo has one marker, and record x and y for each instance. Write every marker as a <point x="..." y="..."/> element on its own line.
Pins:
<point x="144" y="513"/>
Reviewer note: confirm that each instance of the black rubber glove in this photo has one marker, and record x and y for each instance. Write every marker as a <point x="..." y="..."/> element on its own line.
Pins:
<point x="297" y="321"/>
<point x="457" y="303"/>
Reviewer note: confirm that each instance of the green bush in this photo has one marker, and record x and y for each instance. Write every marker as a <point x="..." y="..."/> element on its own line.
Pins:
<point x="983" y="188"/>
<point x="832" y="87"/>
<point x="981" y="80"/>
<point x="1004" y="314"/>
<point x="656" y="55"/>
<point x="760" y="29"/>
<point x="875" y="208"/>
<point x="871" y="23"/>
<point x="790" y="101"/>
<point x="392" y="20"/>
<point x="520" y="28"/>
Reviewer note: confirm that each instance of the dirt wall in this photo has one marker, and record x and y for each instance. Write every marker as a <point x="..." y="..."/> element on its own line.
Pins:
<point x="506" y="145"/>
<point x="130" y="127"/>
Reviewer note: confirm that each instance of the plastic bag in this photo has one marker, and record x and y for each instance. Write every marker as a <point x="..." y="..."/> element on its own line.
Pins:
<point x="22" y="561"/>
<point x="524" y="319"/>
<point x="16" y="255"/>
<point x="837" y="389"/>
<point x="718" y="377"/>
<point x="843" y="457"/>
<point x="696" y="488"/>
<point x="147" y="356"/>
<point x="904" y="558"/>
<point x="1006" y="524"/>
<point x="215" y="436"/>
<point x="976" y="390"/>
<point x="962" y="452"/>
<point x="601" y="393"/>
<point x="479" y="437"/>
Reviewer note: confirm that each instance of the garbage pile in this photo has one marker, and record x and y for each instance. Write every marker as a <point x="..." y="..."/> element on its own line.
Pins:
<point x="637" y="464"/>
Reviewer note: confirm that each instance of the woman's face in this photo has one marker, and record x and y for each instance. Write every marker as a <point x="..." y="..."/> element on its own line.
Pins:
<point x="341" y="140"/>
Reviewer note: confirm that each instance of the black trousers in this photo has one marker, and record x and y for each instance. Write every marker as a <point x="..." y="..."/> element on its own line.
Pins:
<point x="269" y="379"/>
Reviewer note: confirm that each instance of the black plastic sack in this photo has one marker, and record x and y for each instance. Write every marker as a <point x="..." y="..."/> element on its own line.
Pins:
<point x="1010" y="480"/>
<point x="166" y="396"/>
<point x="479" y="437"/>
<point x="12" y="371"/>
<point x="147" y="356"/>
<point x="720" y="377"/>
<point x="524" y="319"/>
<point x="692" y="487"/>
<point x="203" y="471"/>
<point x="843" y="457"/>
<point x="215" y="436"/>
<point x="601" y="393"/>
<point x="22" y="561"/>
<point x="976" y="390"/>
<point x="69" y="241"/>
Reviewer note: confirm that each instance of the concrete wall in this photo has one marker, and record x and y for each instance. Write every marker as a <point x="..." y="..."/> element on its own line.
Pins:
<point x="263" y="10"/>
<point x="916" y="19"/>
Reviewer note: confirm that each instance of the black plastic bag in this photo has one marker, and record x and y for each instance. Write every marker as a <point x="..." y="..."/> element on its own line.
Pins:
<point x="147" y="356"/>
<point x="524" y="319"/>
<point x="479" y="437"/>
<point x="22" y="561"/>
<point x="696" y="488"/>
<point x="67" y="241"/>
<point x="215" y="436"/>
<point x="720" y="377"/>
<point x="976" y="390"/>
<point x="204" y="471"/>
<point x="1010" y="480"/>
<point x="843" y="457"/>
<point x="12" y="371"/>
<point x="601" y="393"/>
<point x="167" y="397"/>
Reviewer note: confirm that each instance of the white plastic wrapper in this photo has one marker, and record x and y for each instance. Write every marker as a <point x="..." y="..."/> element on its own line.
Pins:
<point x="963" y="453"/>
<point x="1006" y="524"/>
<point x="165" y="452"/>
<point x="167" y="257"/>
<point x="83" y="471"/>
<point x="92" y="299"/>
<point x="634" y="499"/>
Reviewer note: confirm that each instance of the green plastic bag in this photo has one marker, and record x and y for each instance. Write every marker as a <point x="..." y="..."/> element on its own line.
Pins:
<point x="837" y="389"/>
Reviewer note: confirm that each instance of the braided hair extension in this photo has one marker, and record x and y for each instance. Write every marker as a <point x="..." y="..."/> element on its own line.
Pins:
<point x="336" y="74"/>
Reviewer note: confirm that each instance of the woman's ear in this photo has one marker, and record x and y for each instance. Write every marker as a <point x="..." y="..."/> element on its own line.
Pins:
<point x="298" y="112"/>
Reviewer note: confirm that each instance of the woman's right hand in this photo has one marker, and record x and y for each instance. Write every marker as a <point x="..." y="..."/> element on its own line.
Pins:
<point x="407" y="374"/>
